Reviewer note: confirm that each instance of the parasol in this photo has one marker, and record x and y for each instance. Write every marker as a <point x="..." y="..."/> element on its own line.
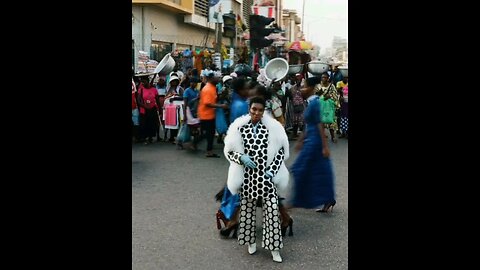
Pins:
<point x="299" y="45"/>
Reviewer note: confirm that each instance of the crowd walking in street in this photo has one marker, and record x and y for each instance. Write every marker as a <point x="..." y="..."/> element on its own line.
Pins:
<point x="255" y="121"/>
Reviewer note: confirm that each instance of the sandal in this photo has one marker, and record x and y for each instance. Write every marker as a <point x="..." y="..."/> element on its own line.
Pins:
<point x="213" y="155"/>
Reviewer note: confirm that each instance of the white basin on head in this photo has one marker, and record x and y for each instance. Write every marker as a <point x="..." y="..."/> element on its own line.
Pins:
<point x="344" y="71"/>
<point x="317" y="67"/>
<point x="294" y="69"/>
<point x="277" y="69"/>
<point x="166" y="65"/>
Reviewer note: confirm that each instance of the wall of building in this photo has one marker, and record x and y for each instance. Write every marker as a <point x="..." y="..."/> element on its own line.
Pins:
<point x="162" y="25"/>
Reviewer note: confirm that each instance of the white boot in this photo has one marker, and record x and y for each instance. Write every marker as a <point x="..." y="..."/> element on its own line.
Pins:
<point x="252" y="248"/>
<point x="276" y="256"/>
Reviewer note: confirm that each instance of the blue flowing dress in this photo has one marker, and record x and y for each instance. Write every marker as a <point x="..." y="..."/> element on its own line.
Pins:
<point x="313" y="174"/>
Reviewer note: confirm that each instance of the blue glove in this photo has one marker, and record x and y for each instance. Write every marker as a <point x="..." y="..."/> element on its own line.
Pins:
<point x="269" y="174"/>
<point x="247" y="161"/>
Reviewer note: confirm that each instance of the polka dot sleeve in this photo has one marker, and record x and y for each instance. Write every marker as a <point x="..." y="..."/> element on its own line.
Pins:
<point x="277" y="161"/>
<point x="235" y="157"/>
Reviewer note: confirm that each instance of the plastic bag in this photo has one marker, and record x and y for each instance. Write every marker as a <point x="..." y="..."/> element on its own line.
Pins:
<point x="229" y="203"/>
<point x="136" y="117"/>
<point x="327" y="111"/>
<point x="184" y="134"/>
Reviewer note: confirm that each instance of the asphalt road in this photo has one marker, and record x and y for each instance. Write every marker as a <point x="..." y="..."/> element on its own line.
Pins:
<point x="173" y="216"/>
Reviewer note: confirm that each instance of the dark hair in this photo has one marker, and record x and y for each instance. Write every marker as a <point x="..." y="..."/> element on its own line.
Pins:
<point x="238" y="84"/>
<point x="252" y="84"/>
<point x="210" y="77"/>
<point x="262" y="91"/>
<point x="194" y="72"/>
<point x="193" y="80"/>
<point x="326" y="74"/>
<point x="258" y="100"/>
<point x="312" y="81"/>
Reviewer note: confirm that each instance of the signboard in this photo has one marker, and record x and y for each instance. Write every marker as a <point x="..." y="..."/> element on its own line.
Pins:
<point x="216" y="8"/>
<point x="217" y="60"/>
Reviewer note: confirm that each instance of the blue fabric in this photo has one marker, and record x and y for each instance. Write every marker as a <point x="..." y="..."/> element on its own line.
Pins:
<point x="219" y="87"/>
<point x="229" y="203"/>
<point x="136" y="117"/>
<point x="190" y="94"/>
<point x="238" y="107"/>
<point x="220" y="121"/>
<point x="313" y="173"/>
<point x="336" y="77"/>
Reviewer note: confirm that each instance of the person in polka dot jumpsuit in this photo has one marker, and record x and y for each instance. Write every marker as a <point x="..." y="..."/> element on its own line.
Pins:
<point x="257" y="184"/>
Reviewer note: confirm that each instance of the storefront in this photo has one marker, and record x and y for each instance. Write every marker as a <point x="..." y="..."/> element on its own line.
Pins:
<point x="159" y="49"/>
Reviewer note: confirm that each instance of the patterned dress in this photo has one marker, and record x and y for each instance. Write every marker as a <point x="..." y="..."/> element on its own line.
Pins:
<point x="332" y="91"/>
<point x="257" y="185"/>
<point x="297" y="100"/>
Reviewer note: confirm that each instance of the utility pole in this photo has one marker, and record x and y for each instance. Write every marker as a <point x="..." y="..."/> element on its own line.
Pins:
<point x="303" y="16"/>
<point x="218" y="46"/>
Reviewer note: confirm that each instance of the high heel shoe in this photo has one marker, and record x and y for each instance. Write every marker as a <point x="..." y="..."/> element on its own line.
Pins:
<point x="327" y="207"/>
<point x="284" y="229"/>
<point x="221" y="216"/>
<point x="227" y="230"/>
<point x="276" y="256"/>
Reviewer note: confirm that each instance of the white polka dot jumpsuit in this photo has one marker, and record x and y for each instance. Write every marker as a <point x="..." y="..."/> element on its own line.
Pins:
<point x="258" y="185"/>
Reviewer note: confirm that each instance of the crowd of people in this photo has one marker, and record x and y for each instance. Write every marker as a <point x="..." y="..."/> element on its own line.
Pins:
<point x="226" y="97"/>
<point x="255" y="119"/>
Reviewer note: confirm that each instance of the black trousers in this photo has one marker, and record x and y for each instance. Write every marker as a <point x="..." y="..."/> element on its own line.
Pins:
<point x="148" y="124"/>
<point x="207" y="131"/>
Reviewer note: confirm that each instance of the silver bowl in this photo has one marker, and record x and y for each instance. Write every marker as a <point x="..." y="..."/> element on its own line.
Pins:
<point x="317" y="67"/>
<point x="294" y="69"/>
<point x="166" y="65"/>
<point x="344" y="71"/>
<point x="277" y="69"/>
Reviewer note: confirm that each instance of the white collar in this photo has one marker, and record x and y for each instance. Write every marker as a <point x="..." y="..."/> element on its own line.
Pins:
<point x="312" y="97"/>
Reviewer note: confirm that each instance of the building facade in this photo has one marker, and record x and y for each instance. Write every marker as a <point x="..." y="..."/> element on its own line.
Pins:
<point x="163" y="26"/>
<point x="340" y="49"/>
<point x="291" y="24"/>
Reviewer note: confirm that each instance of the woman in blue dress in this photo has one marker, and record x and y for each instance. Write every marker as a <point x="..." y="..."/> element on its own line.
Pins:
<point x="312" y="170"/>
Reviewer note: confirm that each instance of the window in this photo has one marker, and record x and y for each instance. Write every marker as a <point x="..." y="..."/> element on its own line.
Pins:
<point x="201" y="8"/>
<point x="159" y="49"/>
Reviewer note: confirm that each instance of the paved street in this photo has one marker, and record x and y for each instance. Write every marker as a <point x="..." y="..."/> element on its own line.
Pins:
<point x="173" y="216"/>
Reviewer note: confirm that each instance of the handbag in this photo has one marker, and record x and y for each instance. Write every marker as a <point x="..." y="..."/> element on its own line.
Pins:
<point x="229" y="203"/>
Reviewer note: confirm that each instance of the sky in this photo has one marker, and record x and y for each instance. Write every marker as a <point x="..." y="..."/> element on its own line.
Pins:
<point x="323" y="20"/>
